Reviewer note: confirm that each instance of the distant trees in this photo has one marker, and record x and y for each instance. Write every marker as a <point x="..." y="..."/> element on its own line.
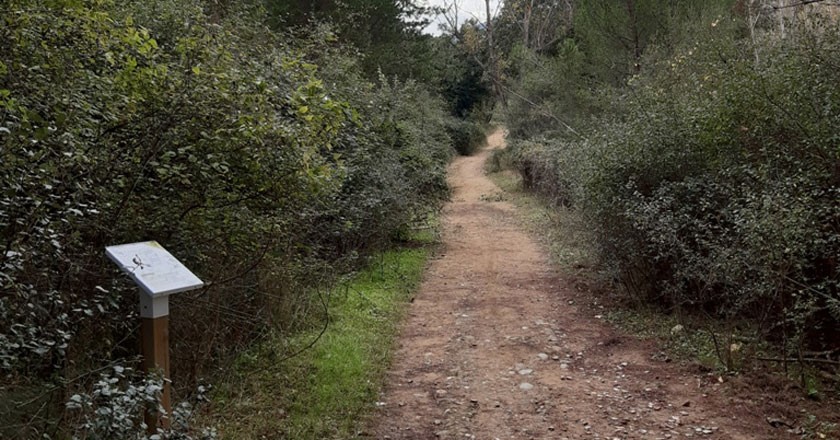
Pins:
<point x="387" y="32"/>
<point x="537" y="25"/>
<point x="616" y="34"/>
<point x="472" y="44"/>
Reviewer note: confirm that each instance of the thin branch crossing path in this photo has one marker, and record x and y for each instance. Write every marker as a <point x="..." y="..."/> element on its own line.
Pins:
<point x="498" y="345"/>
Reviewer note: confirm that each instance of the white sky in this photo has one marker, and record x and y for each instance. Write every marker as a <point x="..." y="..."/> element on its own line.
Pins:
<point x="467" y="9"/>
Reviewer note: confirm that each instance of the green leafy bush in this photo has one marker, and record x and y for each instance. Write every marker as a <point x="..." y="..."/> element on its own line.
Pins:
<point x="210" y="133"/>
<point x="714" y="184"/>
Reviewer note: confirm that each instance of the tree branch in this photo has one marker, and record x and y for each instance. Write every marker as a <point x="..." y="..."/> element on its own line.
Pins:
<point x="803" y="360"/>
<point x="803" y="3"/>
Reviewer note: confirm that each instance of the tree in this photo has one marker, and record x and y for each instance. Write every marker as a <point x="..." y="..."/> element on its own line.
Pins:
<point x="535" y="24"/>
<point x="386" y="32"/>
<point x="614" y="35"/>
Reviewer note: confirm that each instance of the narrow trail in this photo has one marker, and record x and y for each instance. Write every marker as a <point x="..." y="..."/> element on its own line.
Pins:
<point x="496" y="346"/>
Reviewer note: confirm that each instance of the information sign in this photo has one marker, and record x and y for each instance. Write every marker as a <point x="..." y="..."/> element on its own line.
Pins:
<point x="153" y="268"/>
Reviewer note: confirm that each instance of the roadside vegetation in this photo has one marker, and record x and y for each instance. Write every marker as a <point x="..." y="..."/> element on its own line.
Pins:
<point x="697" y="143"/>
<point x="720" y="350"/>
<point x="289" y="151"/>
<point x="273" y="147"/>
<point x="283" y="388"/>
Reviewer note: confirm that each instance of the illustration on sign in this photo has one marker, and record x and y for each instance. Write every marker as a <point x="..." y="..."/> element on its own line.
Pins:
<point x="153" y="268"/>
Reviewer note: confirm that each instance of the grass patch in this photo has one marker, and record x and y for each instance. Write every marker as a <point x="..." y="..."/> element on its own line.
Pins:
<point x="328" y="390"/>
<point x="712" y="344"/>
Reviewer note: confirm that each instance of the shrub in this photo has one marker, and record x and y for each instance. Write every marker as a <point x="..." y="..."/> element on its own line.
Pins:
<point x="715" y="188"/>
<point x="217" y="137"/>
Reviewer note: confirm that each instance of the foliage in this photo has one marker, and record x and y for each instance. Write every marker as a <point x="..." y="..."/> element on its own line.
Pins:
<point x="615" y="35"/>
<point x="537" y="25"/>
<point x="711" y="178"/>
<point x="387" y="32"/>
<point x="461" y="79"/>
<point x="463" y="86"/>
<point x="551" y="89"/>
<point x="243" y="150"/>
<point x="468" y="136"/>
<point x="109" y="411"/>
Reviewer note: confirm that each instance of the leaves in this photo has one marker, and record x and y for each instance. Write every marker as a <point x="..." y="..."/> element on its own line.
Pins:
<point x="265" y="162"/>
<point x="710" y="178"/>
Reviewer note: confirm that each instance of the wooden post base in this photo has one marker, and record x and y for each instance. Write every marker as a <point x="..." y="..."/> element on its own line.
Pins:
<point x="154" y="333"/>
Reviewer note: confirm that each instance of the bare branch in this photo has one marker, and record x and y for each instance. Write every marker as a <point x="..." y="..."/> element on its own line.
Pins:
<point x="805" y="3"/>
<point x="451" y="13"/>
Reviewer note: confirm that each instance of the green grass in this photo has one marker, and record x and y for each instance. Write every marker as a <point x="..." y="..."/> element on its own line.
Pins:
<point x="328" y="390"/>
<point x="689" y="338"/>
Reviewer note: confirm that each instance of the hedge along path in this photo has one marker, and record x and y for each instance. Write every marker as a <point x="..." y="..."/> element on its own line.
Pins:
<point x="495" y="346"/>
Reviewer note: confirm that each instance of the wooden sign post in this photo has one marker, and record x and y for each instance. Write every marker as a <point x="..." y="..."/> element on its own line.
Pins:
<point x="159" y="275"/>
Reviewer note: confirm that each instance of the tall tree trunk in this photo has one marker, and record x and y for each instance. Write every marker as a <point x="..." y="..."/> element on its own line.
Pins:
<point x="753" y="16"/>
<point x="634" y="30"/>
<point x="494" y="62"/>
<point x="526" y="25"/>
<point x="781" y="15"/>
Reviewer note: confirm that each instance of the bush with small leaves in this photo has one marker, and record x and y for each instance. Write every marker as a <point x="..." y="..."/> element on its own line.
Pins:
<point x="714" y="185"/>
<point x="252" y="155"/>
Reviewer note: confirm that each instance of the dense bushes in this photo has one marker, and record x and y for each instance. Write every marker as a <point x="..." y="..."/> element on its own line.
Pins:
<point x="221" y="139"/>
<point x="714" y="179"/>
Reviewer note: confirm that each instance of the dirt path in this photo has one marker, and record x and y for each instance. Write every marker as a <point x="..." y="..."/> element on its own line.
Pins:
<point x="496" y="347"/>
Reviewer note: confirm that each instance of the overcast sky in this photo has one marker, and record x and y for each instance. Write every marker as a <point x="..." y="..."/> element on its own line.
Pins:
<point x="468" y="8"/>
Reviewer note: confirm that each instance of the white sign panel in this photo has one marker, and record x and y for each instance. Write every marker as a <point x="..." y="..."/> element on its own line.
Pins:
<point x="153" y="268"/>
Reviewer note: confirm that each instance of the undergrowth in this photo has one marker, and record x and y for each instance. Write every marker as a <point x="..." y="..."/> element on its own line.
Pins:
<point x="711" y="184"/>
<point x="290" y="387"/>
<point x="265" y="158"/>
<point x="725" y="347"/>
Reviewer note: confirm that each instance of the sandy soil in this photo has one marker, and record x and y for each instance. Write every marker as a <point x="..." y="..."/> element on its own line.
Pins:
<point x="497" y="345"/>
